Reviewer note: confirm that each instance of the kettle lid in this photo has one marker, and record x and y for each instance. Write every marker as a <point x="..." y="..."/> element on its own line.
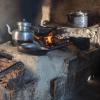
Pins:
<point x="24" y="23"/>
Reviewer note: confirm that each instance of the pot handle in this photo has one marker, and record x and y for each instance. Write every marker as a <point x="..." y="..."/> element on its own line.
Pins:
<point x="69" y="17"/>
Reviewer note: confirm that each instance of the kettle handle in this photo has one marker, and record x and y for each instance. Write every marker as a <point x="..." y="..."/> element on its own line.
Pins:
<point x="9" y="29"/>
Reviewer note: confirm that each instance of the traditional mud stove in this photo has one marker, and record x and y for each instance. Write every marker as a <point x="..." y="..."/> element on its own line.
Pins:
<point x="57" y="74"/>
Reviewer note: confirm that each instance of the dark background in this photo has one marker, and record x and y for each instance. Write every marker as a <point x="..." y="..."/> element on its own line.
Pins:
<point x="30" y="9"/>
<point x="12" y="11"/>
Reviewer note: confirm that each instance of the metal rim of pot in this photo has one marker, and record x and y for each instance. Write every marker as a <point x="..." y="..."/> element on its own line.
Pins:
<point x="78" y="13"/>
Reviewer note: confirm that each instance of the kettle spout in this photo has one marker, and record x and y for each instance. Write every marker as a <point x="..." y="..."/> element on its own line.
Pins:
<point x="9" y="29"/>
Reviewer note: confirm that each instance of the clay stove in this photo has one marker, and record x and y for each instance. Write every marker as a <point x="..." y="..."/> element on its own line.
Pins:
<point x="53" y="76"/>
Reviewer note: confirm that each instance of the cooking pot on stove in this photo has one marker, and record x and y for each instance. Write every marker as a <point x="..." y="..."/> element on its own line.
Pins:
<point x="78" y="19"/>
<point x="22" y="33"/>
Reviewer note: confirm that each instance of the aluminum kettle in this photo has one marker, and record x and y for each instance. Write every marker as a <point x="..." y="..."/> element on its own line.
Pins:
<point x="22" y="34"/>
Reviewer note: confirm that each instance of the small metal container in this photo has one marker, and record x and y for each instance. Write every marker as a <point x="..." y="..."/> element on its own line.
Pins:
<point x="78" y="19"/>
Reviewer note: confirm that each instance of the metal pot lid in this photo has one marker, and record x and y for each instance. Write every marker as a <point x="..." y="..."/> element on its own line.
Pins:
<point x="24" y="23"/>
<point x="78" y="13"/>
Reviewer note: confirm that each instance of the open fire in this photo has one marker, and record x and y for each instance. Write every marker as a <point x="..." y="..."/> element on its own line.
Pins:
<point x="47" y="40"/>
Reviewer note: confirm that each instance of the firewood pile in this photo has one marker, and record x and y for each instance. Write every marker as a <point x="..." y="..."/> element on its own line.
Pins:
<point x="10" y="70"/>
<point x="13" y="75"/>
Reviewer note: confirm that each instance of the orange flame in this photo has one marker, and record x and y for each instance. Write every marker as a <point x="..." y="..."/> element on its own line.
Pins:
<point x="48" y="39"/>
